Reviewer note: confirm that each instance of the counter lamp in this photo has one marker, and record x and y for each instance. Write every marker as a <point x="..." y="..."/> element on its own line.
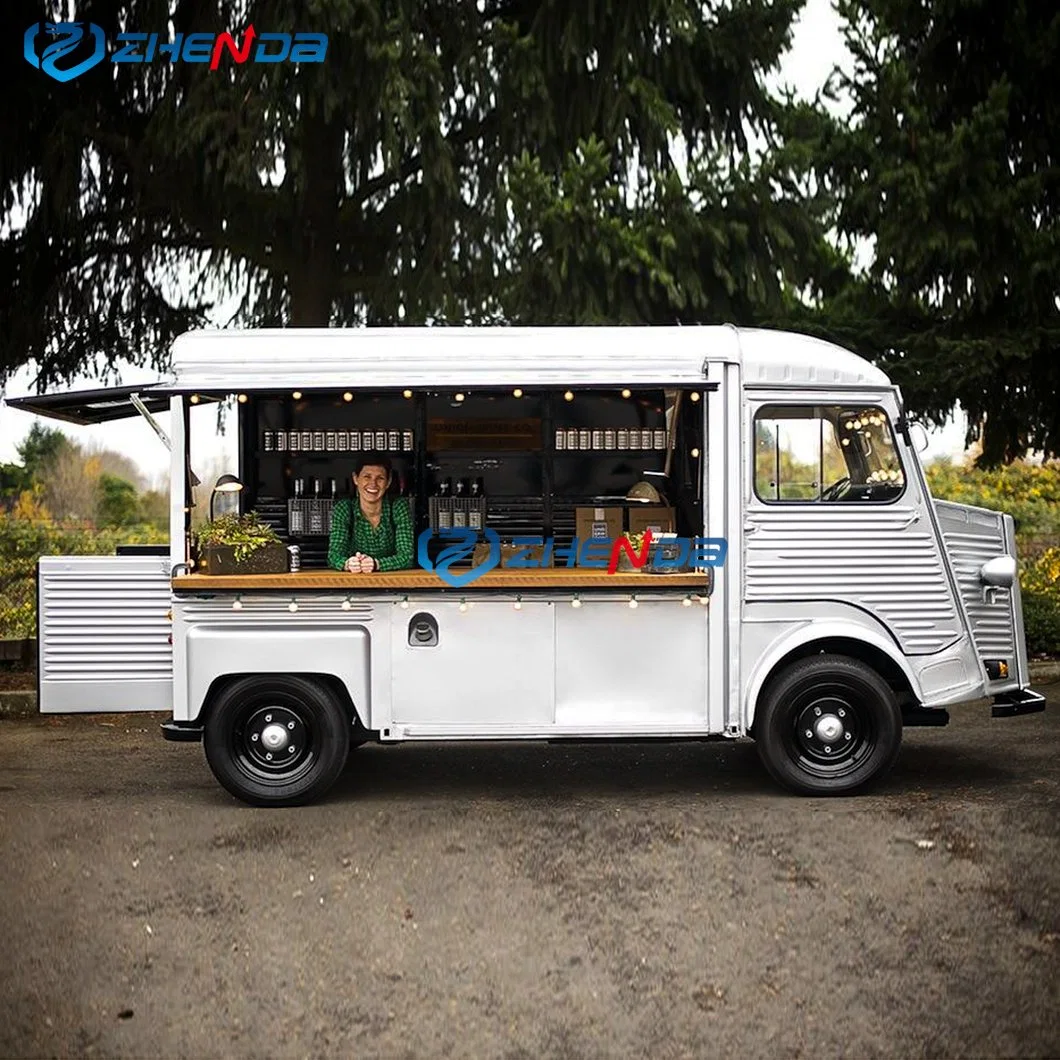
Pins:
<point x="226" y="489"/>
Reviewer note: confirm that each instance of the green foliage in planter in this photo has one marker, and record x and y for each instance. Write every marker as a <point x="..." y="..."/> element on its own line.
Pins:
<point x="245" y="534"/>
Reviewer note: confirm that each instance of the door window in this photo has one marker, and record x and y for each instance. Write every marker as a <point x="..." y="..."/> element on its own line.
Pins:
<point x="825" y="453"/>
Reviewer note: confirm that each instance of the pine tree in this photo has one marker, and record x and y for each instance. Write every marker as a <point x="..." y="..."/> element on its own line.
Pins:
<point x="505" y="160"/>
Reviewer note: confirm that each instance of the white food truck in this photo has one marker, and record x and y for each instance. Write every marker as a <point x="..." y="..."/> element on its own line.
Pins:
<point x="698" y="532"/>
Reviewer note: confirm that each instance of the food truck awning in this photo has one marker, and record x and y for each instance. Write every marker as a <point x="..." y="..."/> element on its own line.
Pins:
<point x="96" y="406"/>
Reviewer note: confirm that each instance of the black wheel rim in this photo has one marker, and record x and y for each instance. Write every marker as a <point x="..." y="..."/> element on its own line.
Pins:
<point x="831" y="728"/>
<point x="274" y="740"/>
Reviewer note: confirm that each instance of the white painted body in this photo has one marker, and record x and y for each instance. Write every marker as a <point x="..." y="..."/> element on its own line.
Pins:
<point x="899" y="580"/>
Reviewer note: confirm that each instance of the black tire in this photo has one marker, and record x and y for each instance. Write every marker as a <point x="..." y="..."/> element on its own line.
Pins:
<point x="245" y="733"/>
<point x="828" y="725"/>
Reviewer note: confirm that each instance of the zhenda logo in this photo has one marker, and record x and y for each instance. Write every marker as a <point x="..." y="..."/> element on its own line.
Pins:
<point x="536" y="553"/>
<point x="77" y="47"/>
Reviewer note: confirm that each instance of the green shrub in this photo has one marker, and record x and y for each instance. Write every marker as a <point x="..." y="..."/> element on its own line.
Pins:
<point x="25" y="536"/>
<point x="1040" y="589"/>
<point x="1028" y="492"/>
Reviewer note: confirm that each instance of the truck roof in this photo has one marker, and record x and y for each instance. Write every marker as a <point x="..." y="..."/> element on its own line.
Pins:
<point x="303" y="358"/>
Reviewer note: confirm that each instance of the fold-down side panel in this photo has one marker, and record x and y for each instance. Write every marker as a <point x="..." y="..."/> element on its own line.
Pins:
<point x="104" y="634"/>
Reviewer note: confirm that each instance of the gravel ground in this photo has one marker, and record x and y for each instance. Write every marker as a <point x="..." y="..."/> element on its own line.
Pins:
<point x="530" y="901"/>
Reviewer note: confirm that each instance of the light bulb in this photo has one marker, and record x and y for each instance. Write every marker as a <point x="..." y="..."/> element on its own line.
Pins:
<point x="517" y="392"/>
<point x="194" y="399"/>
<point x="576" y="602"/>
<point x="846" y="441"/>
<point x="292" y="606"/>
<point x="694" y="396"/>
<point x="405" y="604"/>
<point x="632" y="601"/>
<point x="242" y="399"/>
<point x="346" y="605"/>
<point x="627" y="393"/>
<point x="237" y="604"/>
<point x="463" y="605"/>
<point x="568" y="396"/>
<point x="406" y="393"/>
<point x="695" y="453"/>
<point x="347" y="396"/>
<point x="297" y="395"/>
<point x="687" y="601"/>
<point x="703" y="600"/>
<point x="458" y="397"/>
<point x="518" y="605"/>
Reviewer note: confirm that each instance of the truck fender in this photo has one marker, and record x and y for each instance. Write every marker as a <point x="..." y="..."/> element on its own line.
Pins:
<point x="810" y="631"/>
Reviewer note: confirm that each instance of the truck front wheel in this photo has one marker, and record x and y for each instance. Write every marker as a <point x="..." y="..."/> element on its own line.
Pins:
<point x="827" y="725"/>
<point x="276" y="740"/>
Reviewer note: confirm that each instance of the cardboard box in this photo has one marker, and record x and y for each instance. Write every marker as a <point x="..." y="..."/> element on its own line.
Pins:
<point x="656" y="517"/>
<point x="508" y="552"/>
<point x="598" y="523"/>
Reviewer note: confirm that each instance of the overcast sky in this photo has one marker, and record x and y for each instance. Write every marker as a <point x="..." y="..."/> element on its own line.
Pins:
<point x="817" y="48"/>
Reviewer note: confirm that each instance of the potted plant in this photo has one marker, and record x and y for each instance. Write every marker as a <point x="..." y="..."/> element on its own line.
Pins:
<point x="636" y="542"/>
<point x="240" y="544"/>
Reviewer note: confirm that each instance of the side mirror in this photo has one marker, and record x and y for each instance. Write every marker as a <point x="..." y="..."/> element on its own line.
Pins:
<point x="918" y="436"/>
<point x="999" y="571"/>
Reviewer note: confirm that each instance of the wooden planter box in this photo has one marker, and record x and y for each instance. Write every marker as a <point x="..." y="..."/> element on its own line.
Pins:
<point x="221" y="559"/>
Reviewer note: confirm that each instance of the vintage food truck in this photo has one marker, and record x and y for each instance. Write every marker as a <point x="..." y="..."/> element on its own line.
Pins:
<point x="802" y="587"/>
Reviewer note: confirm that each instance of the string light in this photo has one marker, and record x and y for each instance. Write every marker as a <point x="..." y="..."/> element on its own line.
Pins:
<point x="458" y="397"/>
<point x="347" y="396"/>
<point x="297" y="395"/>
<point x="405" y="604"/>
<point x="242" y="399"/>
<point x="576" y="602"/>
<point x="406" y="393"/>
<point x="463" y="605"/>
<point x="292" y="606"/>
<point x="633" y="601"/>
<point x="568" y="396"/>
<point x="626" y="393"/>
<point x="687" y="601"/>
<point x="704" y="600"/>
<point x="518" y="605"/>
<point x="346" y="605"/>
<point x="517" y="392"/>
<point x="237" y="604"/>
<point x="695" y="454"/>
<point x="194" y="399"/>
<point x="694" y="396"/>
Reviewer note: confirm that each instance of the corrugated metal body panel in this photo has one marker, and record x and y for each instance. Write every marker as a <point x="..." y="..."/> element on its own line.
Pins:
<point x="104" y="633"/>
<point x="489" y="357"/>
<point x="973" y="536"/>
<point x="874" y="559"/>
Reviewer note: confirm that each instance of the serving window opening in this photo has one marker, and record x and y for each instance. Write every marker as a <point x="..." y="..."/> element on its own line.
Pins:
<point x="555" y="463"/>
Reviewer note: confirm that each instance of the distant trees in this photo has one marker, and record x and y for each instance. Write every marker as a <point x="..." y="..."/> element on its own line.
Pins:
<point x="61" y="480"/>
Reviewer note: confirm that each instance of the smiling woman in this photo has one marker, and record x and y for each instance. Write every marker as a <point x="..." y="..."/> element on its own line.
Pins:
<point x="371" y="532"/>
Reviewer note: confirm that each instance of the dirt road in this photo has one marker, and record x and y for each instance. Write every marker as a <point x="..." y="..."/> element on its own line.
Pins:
<point x="530" y="901"/>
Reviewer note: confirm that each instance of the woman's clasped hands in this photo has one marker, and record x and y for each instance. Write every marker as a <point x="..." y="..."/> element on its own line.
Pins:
<point x="359" y="563"/>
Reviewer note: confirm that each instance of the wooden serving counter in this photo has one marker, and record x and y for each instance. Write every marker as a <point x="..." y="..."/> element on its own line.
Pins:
<point x="421" y="580"/>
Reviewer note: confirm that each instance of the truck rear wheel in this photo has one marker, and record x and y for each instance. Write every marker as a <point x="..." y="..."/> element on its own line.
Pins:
<point x="828" y="725"/>
<point x="276" y="740"/>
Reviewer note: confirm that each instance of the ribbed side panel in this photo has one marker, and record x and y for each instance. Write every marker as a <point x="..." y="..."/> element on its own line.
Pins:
<point x="104" y="634"/>
<point x="873" y="559"/>
<point x="972" y="537"/>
